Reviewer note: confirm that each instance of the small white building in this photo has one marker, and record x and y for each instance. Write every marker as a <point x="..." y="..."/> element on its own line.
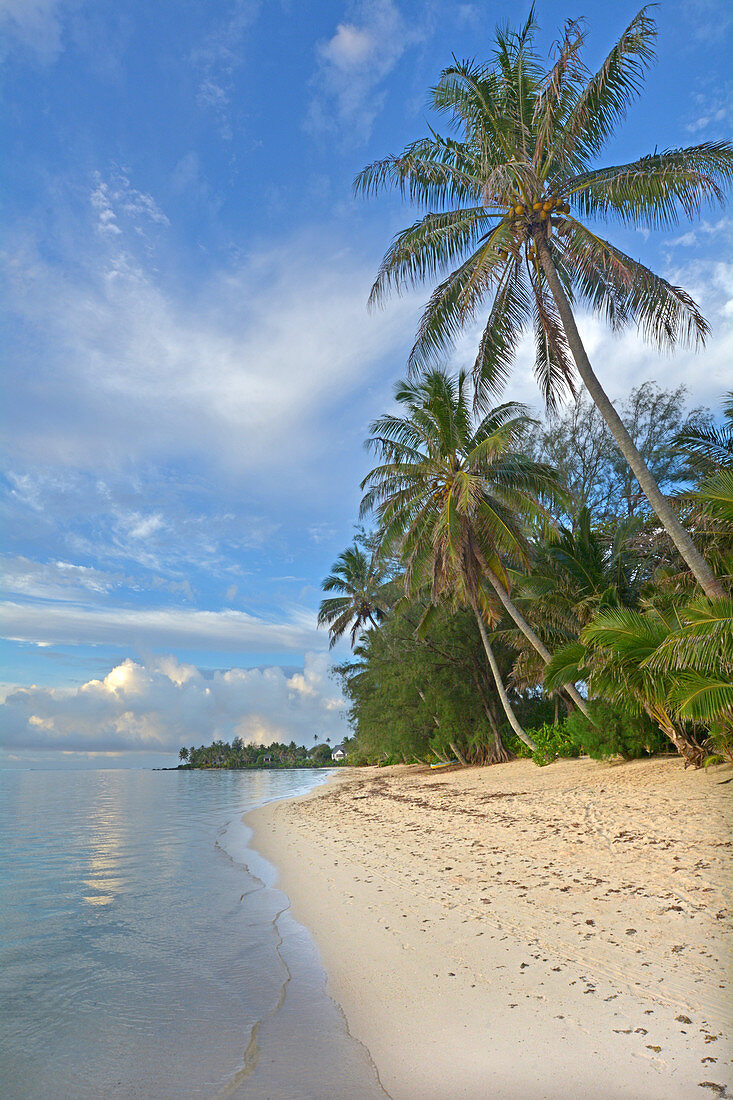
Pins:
<point x="338" y="753"/>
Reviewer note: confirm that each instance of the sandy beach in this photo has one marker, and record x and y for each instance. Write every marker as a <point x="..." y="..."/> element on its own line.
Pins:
<point x="520" y="932"/>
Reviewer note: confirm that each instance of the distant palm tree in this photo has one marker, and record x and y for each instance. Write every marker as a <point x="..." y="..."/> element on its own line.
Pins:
<point x="363" y="601"/>
<point x="499" y="197"/>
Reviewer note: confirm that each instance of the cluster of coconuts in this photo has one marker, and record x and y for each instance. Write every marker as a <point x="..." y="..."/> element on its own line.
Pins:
<point x="540" y="210"/>
<point x="537" y="212"/>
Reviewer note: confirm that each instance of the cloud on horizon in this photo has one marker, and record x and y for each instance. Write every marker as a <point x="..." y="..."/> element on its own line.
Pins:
<point x="162" y="704"/>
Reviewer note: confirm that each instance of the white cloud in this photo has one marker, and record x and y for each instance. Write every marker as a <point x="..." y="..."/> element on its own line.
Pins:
<point x="37" y="24"/>
<point x="714" y="111"/>
<point x="59" y="623"/>
<point x="163" y="704"/>
<point x="56" y="580"/>
<point x="116" y="197"/>
<point x="247" y="371"/>
<point x="704" y="230"/>
<point x="353" y="63"/>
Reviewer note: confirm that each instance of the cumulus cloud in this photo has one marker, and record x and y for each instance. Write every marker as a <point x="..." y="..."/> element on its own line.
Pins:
<point x="162" y="704"/>
<point x="353" y="63"/>
<point x="57" y="623"/>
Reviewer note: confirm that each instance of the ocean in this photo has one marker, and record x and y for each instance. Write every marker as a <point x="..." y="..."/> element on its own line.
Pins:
<point x="145" y="951"/>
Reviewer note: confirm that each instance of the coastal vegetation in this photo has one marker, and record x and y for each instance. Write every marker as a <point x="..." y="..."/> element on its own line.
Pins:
<point x="598" y="583"/>
<point x="561" y="587"/>
<point x="237" y="754"/>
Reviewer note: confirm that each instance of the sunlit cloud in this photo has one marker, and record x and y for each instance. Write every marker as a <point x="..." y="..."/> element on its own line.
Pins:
<point x="162" y="704"/>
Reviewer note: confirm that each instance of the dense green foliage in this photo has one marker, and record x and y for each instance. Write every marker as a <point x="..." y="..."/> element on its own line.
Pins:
<point x="606" y="593"/>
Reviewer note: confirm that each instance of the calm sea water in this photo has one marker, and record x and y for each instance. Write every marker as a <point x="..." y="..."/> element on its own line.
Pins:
<point x="144" y="951"/>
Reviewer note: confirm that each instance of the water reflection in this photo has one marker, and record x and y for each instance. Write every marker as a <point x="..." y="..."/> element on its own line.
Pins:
<point x="137" y="953"/>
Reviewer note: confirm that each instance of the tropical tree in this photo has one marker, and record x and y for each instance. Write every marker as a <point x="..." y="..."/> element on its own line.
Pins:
<point x="475" y="473"/>
<point x="363" y="600"/>
<point x="455" y="499"/>
<point x="511" y="197"/>
<point x="572" y="575"/>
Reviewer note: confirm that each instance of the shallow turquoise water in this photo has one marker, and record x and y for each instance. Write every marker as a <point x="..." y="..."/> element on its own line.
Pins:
<point x="144" y="951"/>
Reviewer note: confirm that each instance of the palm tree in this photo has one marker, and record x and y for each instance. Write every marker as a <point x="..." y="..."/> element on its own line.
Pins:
<point x="512" y="194"/>
<point x="363" y="599"/>
<point x="572" y="575"/>
<point x="438" y="446"/>
<point x="454" y="498"/>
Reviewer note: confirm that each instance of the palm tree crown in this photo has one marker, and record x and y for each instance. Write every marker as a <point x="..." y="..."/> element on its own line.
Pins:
<point x="513" y="195"/>
<point x="451" y="495"/>
<point x="363" y="600"/>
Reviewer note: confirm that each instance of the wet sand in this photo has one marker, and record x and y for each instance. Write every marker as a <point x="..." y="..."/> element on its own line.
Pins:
<point x="520" y="932"/>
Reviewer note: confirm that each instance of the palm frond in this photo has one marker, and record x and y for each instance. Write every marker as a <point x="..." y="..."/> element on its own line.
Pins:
<point x="656" y="190"/>
<point x="607" y="95"/>
<point x="627" y="292"/>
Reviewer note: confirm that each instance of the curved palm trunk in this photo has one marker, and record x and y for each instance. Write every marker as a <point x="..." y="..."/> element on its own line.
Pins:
<point x="680" y="537"/>
<point x="513" y="720"/>
<point x="686" y="745"/>
<point x="533" y="638"/>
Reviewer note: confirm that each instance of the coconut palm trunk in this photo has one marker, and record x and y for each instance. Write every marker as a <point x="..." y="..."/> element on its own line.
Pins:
<point x="680" y="537"/>
<point x="501" y="690"/>
<point x="535" y="641"/>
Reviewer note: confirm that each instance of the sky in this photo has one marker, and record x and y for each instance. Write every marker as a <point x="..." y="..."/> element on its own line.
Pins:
<point x="190" y="367"/>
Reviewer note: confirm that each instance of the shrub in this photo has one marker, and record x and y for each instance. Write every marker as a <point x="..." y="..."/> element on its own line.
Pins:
<point x="615" y="733"/>
<point x="552" y="741"/>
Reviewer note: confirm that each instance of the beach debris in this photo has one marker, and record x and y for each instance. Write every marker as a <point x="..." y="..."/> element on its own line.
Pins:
<point x="719" y="1090"/>
<point x="650" y="1046"/>
<point x="683" y="1019"/>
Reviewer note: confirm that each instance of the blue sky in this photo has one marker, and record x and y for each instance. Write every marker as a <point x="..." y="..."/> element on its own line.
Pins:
<point x="190" y="365"/>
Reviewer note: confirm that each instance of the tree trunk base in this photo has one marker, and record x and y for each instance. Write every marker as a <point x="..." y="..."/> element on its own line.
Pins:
<point x="691" y="752"/>
<point x="498" y="754"/>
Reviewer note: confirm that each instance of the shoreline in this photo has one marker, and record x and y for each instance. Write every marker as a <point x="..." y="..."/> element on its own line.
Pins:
<point x="520" y="932"/>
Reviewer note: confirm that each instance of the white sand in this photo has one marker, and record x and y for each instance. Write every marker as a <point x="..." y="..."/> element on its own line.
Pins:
<point x="522" y="933"/>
